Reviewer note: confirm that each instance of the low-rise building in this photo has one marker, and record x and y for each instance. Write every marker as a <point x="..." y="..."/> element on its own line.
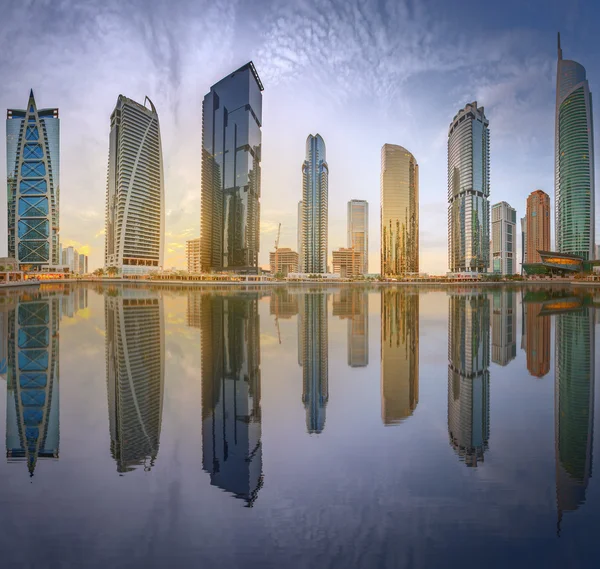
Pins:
<point x="347" y="262"/>
<point x="284" y="261"/>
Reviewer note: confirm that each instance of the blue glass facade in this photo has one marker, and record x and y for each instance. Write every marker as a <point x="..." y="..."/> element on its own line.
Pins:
<point x="32" y="415"/>
<point x="33" y="155"/>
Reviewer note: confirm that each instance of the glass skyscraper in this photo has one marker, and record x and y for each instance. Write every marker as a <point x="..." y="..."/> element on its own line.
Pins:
<point x="33" y="168"/>
<point x="135" y="211"/>
<point x="32" y="401"/>
<point x="358" y="230"/>
<point x="468" y="375"/>
<point x="315" y="196"/>
<point x="231" y="154"/>
<point x="399" y="211"/>
<point x="469" y="191"/>
<point x="504" y="239"/>
<point x="399" y="355"/>
<point x="231" y="391"/>
<point x="574" y="161"/>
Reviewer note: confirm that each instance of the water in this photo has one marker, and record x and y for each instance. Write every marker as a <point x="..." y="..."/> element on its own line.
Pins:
<point x="330" y="428"/>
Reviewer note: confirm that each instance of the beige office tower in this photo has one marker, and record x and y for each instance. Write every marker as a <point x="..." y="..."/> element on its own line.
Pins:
<point x="358" y="230"/>
<point x="399" y="355"/>
<point x="399" y="211"/>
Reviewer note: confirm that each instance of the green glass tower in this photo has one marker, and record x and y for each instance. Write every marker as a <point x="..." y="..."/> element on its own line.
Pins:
<point x="574" y="165"/>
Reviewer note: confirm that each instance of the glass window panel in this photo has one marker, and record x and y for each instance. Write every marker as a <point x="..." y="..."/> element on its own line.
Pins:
<point x="33" y="187"/>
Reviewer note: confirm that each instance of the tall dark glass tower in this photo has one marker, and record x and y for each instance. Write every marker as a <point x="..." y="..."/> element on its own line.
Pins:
<point x="468" y="375"/>
<point x="231" y="154"/>
<point x="32" y="166"/>
<point x="231" y="413"/>
<point x="574" y="161"/>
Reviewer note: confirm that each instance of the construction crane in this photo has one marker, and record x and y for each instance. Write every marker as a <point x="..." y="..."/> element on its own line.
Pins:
<point x="277" y="249"/>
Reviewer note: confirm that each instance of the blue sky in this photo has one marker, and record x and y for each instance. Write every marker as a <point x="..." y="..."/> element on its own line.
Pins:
<point x="359" y="72"/>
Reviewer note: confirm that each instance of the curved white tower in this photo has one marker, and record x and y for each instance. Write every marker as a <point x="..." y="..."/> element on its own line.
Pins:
<point x="135" y="214"/>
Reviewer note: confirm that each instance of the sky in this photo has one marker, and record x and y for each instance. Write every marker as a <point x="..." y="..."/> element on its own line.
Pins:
<point x="361" y="73"/>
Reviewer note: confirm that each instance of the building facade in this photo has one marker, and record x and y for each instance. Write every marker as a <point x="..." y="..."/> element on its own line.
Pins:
<point x="135" y="374"/>
<point x="135" y="209"/>
<point x="504" y="239"/>
<point x="574" y="200"/>
<point x="231" y="155"/>
<point x="523" y="240"/>
<point x="231" y="393"/>
<point x="348" y="263"/>
<point x="469" y="191"/>
<point x="399" y="355"/>
<point x="358" y="230"/>
<point x="469" y="376"/>
<point x="399" y="185"/>
<point x="33" y="189"/>
<point x="283" y="261"/>
<point x="299" y="230"/>
<point x="315" y="197"/>
<point x="538" y="225"/>
<point x="192" y="255"/>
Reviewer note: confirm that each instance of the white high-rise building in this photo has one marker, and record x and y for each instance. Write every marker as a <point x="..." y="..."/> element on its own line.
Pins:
<point x="135" y="213"/>
<point x="504" y="242"/>
<point x="300" y="229"/>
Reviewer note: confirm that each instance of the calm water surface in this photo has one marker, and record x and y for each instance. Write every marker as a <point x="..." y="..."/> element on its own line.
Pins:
<point x="297" y="428"/>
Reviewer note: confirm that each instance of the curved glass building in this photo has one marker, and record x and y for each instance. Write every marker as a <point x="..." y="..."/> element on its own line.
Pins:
<point x="32" y="156"/>
<point x="135" y="212"/>
<point x="469" y="191"/>
<point x="399" y="211"/>
<point x="574" y="166"/>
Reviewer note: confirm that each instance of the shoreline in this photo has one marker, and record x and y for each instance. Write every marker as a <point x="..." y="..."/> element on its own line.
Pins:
<point x="275" y="284"/>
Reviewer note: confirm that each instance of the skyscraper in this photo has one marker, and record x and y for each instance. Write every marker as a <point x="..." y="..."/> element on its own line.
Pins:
<point x="574" y="405"/>
<point x="135" y="209"/>
<point x="523" y="240"/>
<point x="399" y="211"/>
<point x="538" y="225"/>
<point x="469" y="191"/>
<point x="504" y="238"/>
<point x="315" y="359"/>
<point x="537" y="339"/>
<point x="33" y="189"/>
<point x="231" y="155"/>
<point x="574" y="199"/>
<point x="315" y="196"/>
<point x="135" y="374"/>
<point x="468" y="375"/>
<point x="399" y="355"/>
<point x="358" y="230"/>
<point x="504" y="332"/>
<point x="299" y="230"/>
<point x="231" y="412"/>
<point x="32" y="402"/>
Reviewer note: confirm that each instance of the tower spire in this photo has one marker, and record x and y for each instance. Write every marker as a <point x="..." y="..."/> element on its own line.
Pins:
<point x="559" y="48"/>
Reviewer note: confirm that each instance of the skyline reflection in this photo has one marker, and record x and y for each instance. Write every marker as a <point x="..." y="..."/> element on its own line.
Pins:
<point x="481" y="329"/>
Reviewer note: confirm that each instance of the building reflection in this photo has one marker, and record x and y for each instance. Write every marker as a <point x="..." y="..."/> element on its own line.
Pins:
<point x="32" y="404"/>
<point x="231" y="413"/>
<point x="353" y="304"/>
<point x="537" y="340"/>
<point x="504" y="342"/>
<point x="399" y="355"/>
<point x="574" y="399"/>
<point x="313" y="345"/>
<point x="134" y="375"/>
<point x="468" y="375"/>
